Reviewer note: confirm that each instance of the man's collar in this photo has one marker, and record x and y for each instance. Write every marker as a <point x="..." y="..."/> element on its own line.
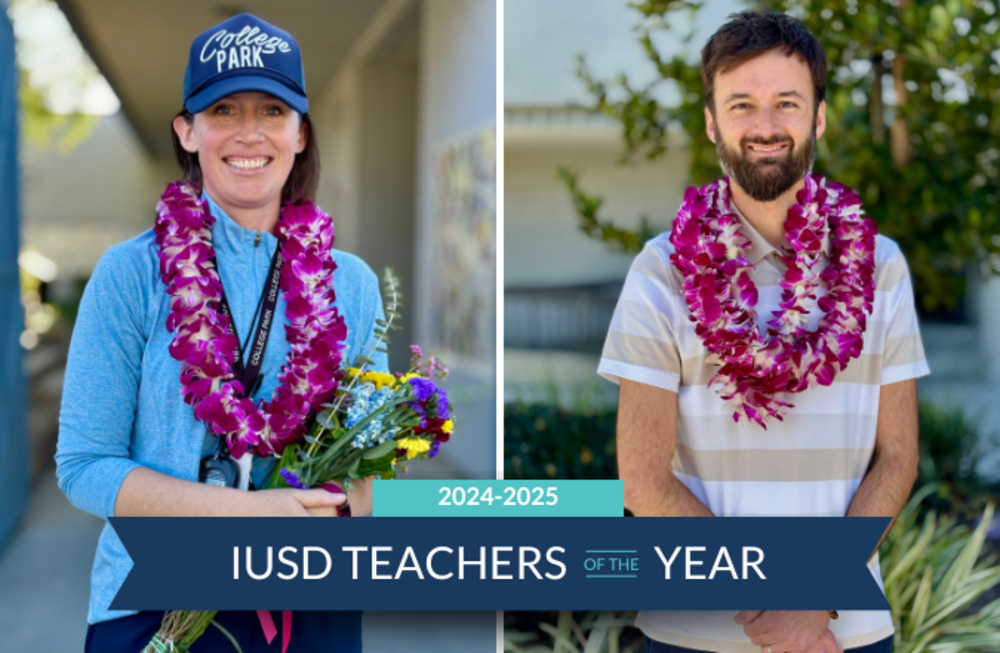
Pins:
<point x="759" y="248"/>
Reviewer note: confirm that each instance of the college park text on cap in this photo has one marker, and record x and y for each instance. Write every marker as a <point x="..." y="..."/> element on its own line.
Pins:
<point x="244" y="53"/>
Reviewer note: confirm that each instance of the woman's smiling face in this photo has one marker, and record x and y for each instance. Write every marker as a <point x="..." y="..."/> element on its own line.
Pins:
<point x="246" y="145"/>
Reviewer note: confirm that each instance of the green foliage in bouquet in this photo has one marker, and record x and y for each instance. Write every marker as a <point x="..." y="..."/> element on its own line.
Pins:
<point x="375" y="419"/>
<point x="933" y="572"/>
<point x="913" y="124"/>
<point x="182" y="628"/>
<point x="355" y="464"/>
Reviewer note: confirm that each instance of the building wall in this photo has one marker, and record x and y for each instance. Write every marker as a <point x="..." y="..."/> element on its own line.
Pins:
<point x="104" y="191"/>
<point x="366" y="122"/>
<point x="457" y="97"/>
<point x="543" y="39"/>
<point x="335" y="112"/>
<point x="387" y="182"/>
<point x="543" y="245"/>
<point x="421" y="74"/>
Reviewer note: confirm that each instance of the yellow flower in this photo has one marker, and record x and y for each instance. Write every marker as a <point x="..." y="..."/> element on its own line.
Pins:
<point x="448" y="427"/>
<point x="376" y="378"/>
<point x="413" y="446"/>
<point x="407" y="377"/>
<point x="380" y="379"/>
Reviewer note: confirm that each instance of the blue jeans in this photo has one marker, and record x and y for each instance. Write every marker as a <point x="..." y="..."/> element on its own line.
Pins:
<point x="652" y="646"/>
<point x="312" y="632"/>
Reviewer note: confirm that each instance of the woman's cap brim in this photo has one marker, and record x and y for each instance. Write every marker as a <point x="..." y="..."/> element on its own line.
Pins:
<point x="225" y="87"/>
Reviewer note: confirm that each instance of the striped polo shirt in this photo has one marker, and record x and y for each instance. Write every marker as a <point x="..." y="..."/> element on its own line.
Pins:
<point x="811" y="464"/>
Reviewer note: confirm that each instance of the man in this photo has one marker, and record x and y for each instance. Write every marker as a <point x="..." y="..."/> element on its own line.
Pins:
<point x="847" y="443"/>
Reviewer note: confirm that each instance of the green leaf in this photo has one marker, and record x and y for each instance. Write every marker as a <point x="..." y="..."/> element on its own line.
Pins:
<point x="327" y="419"/>
<point x="378" y="467"/>
<point x="228" y="635"/>
<point x="381" y="450"/>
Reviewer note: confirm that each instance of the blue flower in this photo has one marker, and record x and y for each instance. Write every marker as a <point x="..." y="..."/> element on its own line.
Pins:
<point x="368" y="401"/>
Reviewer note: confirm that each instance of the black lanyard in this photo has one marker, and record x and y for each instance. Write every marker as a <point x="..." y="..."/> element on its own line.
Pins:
<point x="248" y="373"/>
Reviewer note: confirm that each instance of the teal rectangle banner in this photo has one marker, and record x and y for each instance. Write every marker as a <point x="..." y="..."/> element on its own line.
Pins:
<point x="419" y="498"/>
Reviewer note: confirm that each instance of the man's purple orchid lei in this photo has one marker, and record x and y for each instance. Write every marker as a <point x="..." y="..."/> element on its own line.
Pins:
<point x="757" y="372"/>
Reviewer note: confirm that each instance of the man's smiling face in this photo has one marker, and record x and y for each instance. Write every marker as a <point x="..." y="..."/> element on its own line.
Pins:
<point x="766" y="123"/>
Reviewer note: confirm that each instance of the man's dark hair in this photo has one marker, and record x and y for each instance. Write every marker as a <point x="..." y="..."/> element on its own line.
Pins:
<point x="748" y="35"/>
<point x="302" y="180"/>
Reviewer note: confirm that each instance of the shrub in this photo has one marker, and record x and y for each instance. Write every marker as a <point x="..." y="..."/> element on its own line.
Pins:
<point x="544" y="441"/>
<point x="934" y="572"/>
<point x="949" y="450"/>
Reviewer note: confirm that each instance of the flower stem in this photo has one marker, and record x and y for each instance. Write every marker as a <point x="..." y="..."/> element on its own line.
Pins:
<point x="393" y="301"/>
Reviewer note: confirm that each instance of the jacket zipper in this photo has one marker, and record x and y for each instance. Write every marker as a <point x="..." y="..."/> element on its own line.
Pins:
<point x="256" y="241"/>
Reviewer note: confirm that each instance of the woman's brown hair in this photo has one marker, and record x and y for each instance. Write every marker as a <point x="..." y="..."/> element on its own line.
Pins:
<point x="302" y="180"/>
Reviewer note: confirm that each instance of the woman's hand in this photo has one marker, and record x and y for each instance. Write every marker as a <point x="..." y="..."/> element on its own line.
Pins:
<point x="319" y="502"/>
<point x="360" y="498"/>
<point x="146" y="493"/>
<point x="286" y="502"/>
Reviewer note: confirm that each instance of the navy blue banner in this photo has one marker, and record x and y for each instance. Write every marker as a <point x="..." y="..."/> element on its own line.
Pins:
<point x="516" y="563"/>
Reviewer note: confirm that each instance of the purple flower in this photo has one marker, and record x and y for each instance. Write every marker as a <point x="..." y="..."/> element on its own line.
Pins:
<point x="293" y="479"/>
<point x="423" y="389"/>
<point x="443" y="408"/>
<point x="433" y="451"/>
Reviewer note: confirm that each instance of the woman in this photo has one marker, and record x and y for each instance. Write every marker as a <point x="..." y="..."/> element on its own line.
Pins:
<point x="141" y="422"/>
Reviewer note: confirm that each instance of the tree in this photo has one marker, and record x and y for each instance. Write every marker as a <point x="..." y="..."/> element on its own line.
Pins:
<point x="913" y="112"/>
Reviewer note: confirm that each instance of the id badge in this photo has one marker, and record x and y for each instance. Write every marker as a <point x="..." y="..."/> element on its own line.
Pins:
<point x="221" y="471"/>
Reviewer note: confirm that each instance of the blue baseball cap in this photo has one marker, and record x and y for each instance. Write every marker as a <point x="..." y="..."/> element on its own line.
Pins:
<point x="244" y="53"/>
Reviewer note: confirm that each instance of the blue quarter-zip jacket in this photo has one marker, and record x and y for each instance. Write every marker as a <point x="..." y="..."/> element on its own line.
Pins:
<point x="122" y="407"/>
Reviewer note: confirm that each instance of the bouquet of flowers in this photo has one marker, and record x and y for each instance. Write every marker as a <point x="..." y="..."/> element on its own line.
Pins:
<point x="374" y="423"/>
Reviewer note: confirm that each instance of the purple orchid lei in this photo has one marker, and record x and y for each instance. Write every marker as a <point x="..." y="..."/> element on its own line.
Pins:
<point x="315" y="330"/>
<point x="757" y="372"/>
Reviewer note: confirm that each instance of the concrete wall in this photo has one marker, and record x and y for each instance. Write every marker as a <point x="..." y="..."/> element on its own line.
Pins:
<point x="387" y="181"/>
<point x="366" y="124"/>
<point x="457" y="96"/>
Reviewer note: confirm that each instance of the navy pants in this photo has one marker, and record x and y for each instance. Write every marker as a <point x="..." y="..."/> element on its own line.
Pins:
<point x="652" y="646"/>
<point x="312" y="632"/>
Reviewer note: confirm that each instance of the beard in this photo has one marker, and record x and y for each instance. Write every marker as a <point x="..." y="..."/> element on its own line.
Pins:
<point x="767" y="178"/>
